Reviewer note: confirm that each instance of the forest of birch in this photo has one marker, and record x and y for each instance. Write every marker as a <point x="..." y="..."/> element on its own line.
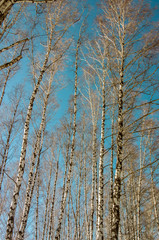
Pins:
<point x="79" y="135"/>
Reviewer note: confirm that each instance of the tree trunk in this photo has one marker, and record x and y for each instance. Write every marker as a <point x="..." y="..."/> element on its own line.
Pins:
<point x="94" y="149"/>
<point x="46" y="205"/>
<point x="51" y="227"/>
<point x="63" y="203"/>
<point x="37" y="207"/>
<point x="4" y="86"/>
<point x="111" y="175"/>
<point x="11" y="215"/>
<point x="117" y="180"/>
<point x="100" y="234"/>
<point x="37" y="147"/>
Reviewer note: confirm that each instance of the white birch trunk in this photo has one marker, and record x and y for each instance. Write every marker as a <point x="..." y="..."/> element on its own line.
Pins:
<point x="94" y="149"/>
<point x="51" y="227"/>
<point x="37" y="147"/>
<point x="142" y="161"/>
<point x="46" y="205"/>
<point x="85" y="200"/>
<point x="68" y="220"/>
<point x="63" y="203"/>
<point x="11" y="215"/>
<point x="100" y="235"/>
<point x="156" y="215"/>
<point x="154" y="200"/>
<point x="37" y="208"/>
<point x="117" y="181"/>
<point x="4" y="86"/>
<point x="111" y="177"/>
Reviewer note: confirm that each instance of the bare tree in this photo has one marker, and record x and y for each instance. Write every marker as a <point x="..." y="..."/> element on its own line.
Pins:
<point x="63" y="202"/>
<point x="50" y="47"/>
<point x="120" y="25"/>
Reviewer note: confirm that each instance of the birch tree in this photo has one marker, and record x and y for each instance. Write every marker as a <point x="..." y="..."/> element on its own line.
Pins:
<point x="122" y="26"/>
<point x="52" y="44"/>
<point x="37" y="147"/>
<point x="63" y="202"/>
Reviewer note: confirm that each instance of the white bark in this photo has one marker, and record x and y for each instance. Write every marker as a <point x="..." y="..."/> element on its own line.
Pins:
<point x="37" y="207"/>
<point x="100" y="224"/>
<point x="4" y="86"/>
<point x="111" y="176"/>
<point x="51" y="227"/>
<point x="117" y="181"/>
<point x="63" y="203"/>
<point x="11" y="215"/>
<point x="46" y="205"/>
<point x="94" y="150"/>
<point x="37" y="147"/>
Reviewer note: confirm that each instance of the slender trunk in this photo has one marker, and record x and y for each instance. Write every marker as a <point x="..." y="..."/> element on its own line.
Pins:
<point x="79" y="201"/>
<point x="11" y="215"/>
<point x="33" y="161"/>
<point x="134" y="209"/>
<point x="75" y="204"/>
<point x="48" y="221"/>
<point x="5" y="154"/>
<point x="80" y="182"/>
<point x="127" y="225"/>
<point x="30" y="195"/>
<point x="65" y="175"/>
<point x="46" y="205"/>
<point x="111" y="176"/>
<point x="153" y="194"/>
<point x="85" y="198"/>
<point x="96" y="192"/>
<point x="94" y="149"/>
<point x="37" y="208"/>
<point x="139" y="193"/>
<point x="68" y="220"/>
<point x="154" y="201"/>
<point x="63" y="203"/>
<point x="75" y="214"/>
<point x="142" y="160"/>
<point x="100" y="234"/>
<point x="51" y="227"/>
<point x="117" y="180"/>
<point x="4" y="86"/>
<point x="79" y="214"/>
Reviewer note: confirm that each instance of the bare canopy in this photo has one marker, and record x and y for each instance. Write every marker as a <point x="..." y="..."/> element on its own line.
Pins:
<point x="6" y="5"/>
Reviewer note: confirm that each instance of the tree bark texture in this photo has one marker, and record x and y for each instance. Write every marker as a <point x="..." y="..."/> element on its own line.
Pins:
<point x="117" y="180"/>
<point x="11" y="215"/>
<point x="37" y="147"/>
<point x="94" y="149"/>
<point x="51" y="226"/>
<point x="46" y="206"/>
<point x="100" y="234"/>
